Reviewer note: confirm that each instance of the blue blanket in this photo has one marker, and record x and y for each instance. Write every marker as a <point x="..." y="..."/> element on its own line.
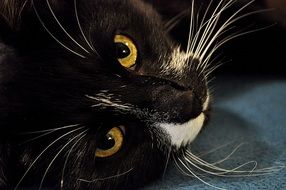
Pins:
<point x="248" y="110"/>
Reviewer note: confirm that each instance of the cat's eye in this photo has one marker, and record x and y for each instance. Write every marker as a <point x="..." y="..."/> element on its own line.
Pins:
<point x="126" y="51"/>
<point x="110" y="143"/>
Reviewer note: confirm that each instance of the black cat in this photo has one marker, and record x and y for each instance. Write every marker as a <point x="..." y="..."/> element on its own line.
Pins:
<point x="94" y="94"/>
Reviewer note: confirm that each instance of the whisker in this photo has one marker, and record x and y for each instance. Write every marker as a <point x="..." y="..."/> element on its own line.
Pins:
<point x="211" y="90"/>
<point x="106" y="178"/>
<point x="46" y="132"/>
<point x="194" y="41"/>
<point x="206" y="25"/>
<point x="212" y="169"/>
<point x="214" y="149"/>
<point x="191" y="29"/>
<point x="219" y="171"/>
<point x="22" y="8"/>
<point x="55" y="157"/>
<point x="196" y="176"/>
<point x="205" y="43"/>
<point x="81" y="30"/>
<point x="35" y="138"/>
<point x="212" y="65"/>
<point x="205" y="63"/>
<point x="67" y="157"/>
<point x="207" y="38"/>
<point x="228" y="22"/>
<point x="212" y="69"/>
<point x="169" y="25"/>
<point x="226" y="39"/>
<point x="51" y="34"/>
<point x="61" y="26"/>
<point x="37" y="158"/>
<point x="167" y="161"/>
<point x="53" y="129"/>
<point x="179" y="167"/>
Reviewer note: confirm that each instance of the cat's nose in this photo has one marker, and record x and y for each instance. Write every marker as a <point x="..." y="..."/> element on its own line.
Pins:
<point x="191" y="105"/>
<point x="181" y="106"/>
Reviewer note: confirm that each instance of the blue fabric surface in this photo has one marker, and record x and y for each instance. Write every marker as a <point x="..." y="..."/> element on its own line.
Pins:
<point x="249" y="110"/>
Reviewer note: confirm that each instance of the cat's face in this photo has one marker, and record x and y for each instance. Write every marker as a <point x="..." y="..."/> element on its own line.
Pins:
<point x="125" y="99"/>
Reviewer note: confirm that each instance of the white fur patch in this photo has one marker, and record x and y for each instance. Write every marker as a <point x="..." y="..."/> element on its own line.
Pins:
<point x="107" y="100"/>
<point x="177" y="63"/>
<point x="183" y="134"/>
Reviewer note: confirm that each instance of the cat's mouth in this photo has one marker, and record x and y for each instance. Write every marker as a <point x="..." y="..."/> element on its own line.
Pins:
<point x="184" y="133"/>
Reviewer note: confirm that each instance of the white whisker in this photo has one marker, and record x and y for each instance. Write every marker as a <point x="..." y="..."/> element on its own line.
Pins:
<point x="226" y="39"/>
<point x="55" y="157"/>
<point x="205" y="43"/>
<point x="208" y="34"/>
<point x="61" y="26"/>
<point x="205" y="64"/>
<point x="46" y="132"/>
<point x="52" y="130"/>
<point x="179" y="167"/>
<point x="191" y="29"/>
<point x="212" y="169"/>
<point x="81" y="30"/>
<point x="223" y="172"/>
<point x="105" y="178"/>
<point x="206" y="25"/>
<point x="194" y="40"/>
<point x="37" y="158"/>
<point x="175" y="20"/>
<point x="51" y="34"/>
<point x="22" y="8"/>
<point x="201" y="154"/>
<point x="35" y="138"/>
<point x="212" y="69"/>
<point x="167" y="160"/>
<point x="228" y="22"/>
<point x="192" y="173"/>
<point x="67" y="157"/>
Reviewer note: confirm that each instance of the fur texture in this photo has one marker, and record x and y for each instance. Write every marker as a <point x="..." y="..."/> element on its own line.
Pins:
<point x="62" y="89"/>
<point x="65" y="96"/>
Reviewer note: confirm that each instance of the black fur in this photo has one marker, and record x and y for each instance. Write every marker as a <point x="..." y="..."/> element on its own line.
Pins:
<point x="44" y="86"/>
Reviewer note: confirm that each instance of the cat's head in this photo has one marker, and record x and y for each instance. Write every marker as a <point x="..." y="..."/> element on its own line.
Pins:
<point x="118" y="93"/>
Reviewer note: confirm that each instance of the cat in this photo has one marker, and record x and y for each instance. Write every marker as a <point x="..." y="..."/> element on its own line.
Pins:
<point x="95" y="94"/>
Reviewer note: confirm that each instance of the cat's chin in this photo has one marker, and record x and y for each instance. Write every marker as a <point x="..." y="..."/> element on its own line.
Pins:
<point x="182" y="134"/>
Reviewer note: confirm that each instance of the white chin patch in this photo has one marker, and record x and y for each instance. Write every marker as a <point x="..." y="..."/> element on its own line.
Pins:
<point x="183" y="134"/>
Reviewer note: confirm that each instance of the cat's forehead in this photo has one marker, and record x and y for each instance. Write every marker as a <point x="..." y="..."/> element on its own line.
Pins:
<point x="132" y="17"/>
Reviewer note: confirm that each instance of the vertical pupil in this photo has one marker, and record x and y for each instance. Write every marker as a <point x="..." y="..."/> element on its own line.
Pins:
<point x="106" y="143"/>
<point x="122" y="50"/>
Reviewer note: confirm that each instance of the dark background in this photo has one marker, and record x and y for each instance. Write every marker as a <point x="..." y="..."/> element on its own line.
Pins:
<point x="259" y="53"/>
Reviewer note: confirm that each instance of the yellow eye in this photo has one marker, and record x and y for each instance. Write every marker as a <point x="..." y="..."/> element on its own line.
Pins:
<point x="126" y="51"/>
<point x="110" y="144"/>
